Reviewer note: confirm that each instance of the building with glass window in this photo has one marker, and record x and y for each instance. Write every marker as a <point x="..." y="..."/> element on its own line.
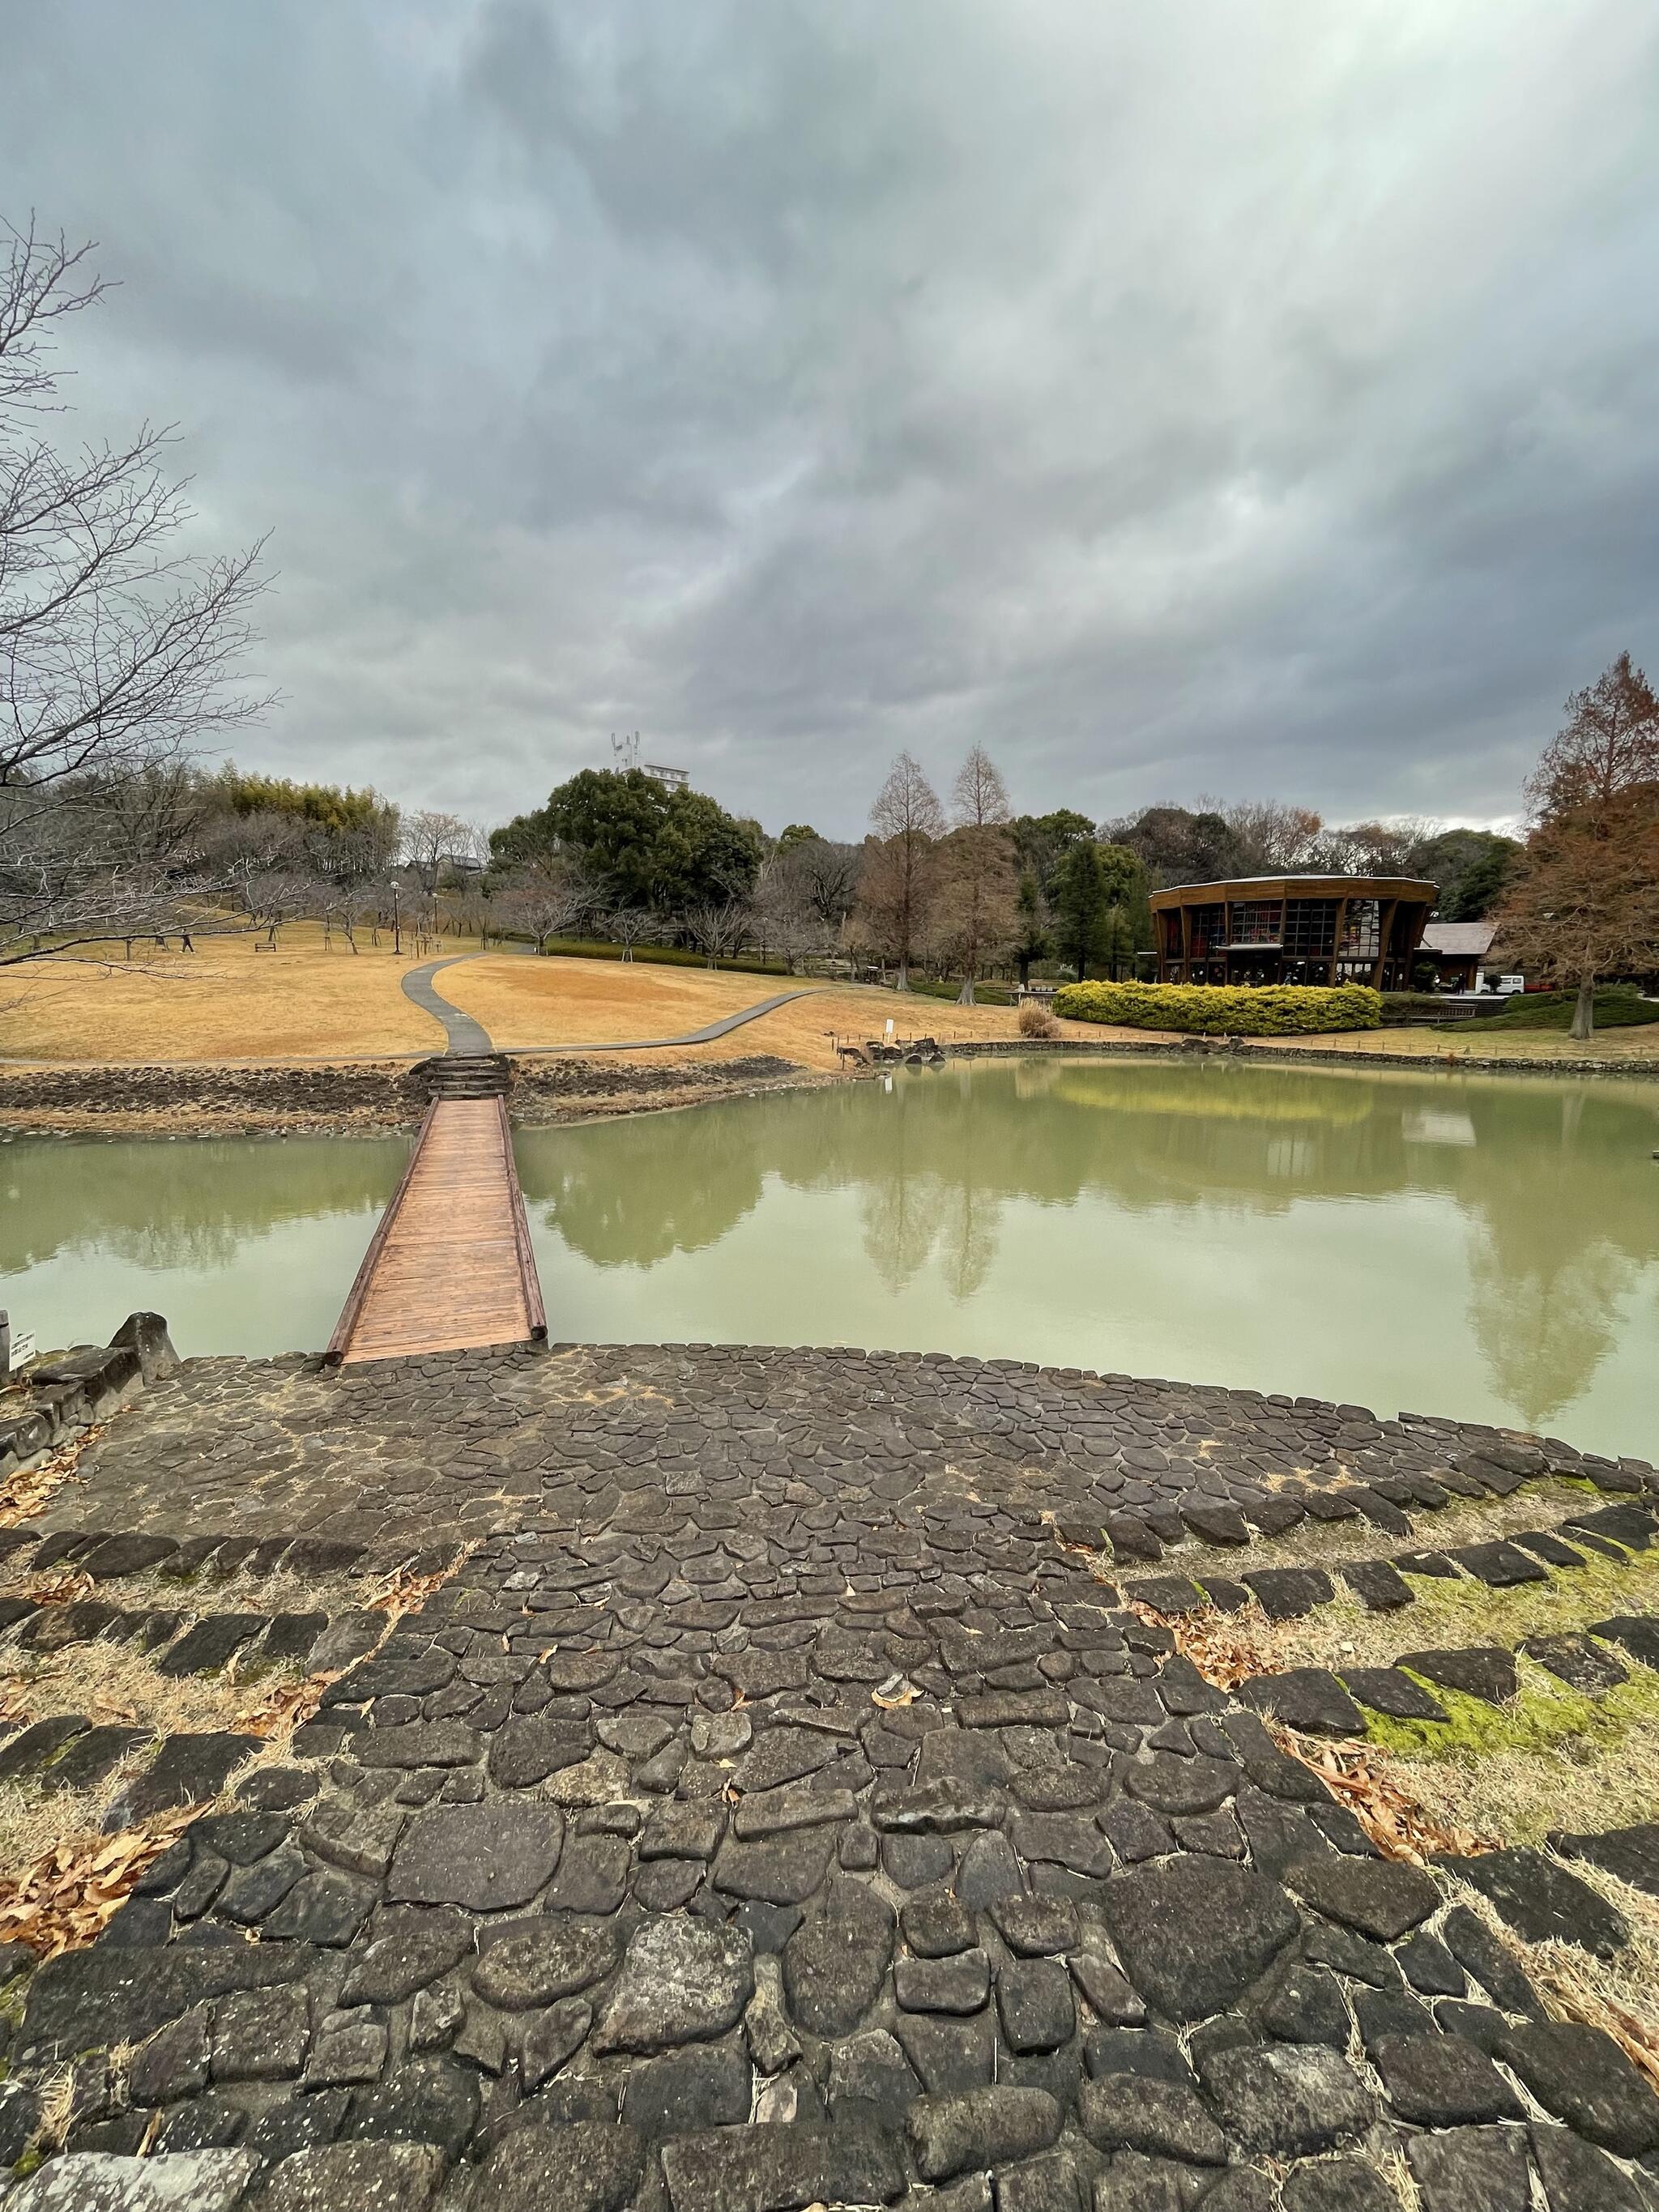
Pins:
<point x="1293" y="929"/>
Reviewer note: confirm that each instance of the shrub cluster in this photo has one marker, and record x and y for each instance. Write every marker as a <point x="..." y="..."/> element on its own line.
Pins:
<point x="1219" y="1010"/>
<point x="658" y="956"/>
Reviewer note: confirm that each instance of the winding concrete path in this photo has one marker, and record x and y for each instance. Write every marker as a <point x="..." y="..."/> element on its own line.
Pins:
<point x="722" y="1028"/>
<point x="467" y="1035"/>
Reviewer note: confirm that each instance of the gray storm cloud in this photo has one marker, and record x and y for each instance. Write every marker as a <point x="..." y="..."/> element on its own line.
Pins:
<point x="1172" y="399"/>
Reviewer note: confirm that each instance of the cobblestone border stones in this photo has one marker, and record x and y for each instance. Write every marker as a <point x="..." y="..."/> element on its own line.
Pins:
<point x="58" y="1398"/>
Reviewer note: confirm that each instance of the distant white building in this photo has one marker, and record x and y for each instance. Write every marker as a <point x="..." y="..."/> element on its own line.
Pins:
<point x="671" y="778"/>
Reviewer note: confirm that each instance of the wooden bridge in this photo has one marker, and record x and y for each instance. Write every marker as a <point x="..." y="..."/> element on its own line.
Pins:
<point x="450" y="1266"/>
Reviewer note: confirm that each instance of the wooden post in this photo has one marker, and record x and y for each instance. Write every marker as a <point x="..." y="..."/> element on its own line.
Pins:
<point x="1336" y="939"/>
<point x="1186" y="943"/>
<point x="1383" y="942"/>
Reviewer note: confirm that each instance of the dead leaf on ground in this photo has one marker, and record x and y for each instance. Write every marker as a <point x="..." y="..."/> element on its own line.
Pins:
<point x="67" y="1896"/>
<point x="23" y="1494"/>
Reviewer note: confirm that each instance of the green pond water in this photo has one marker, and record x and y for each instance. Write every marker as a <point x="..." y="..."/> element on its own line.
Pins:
<point x="1485" y="1247"/>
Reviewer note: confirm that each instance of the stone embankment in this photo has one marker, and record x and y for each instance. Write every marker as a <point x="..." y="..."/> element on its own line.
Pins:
<point x="347" y="1098"/>
<point x="794" y="1790"/>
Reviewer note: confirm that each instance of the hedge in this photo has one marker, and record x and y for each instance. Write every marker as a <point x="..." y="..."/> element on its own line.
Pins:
<point x="1618" y="1006"/>
<point x="985" y="994"/>
<point x="1219" y="1010"/>
<point x="658" y="956"/>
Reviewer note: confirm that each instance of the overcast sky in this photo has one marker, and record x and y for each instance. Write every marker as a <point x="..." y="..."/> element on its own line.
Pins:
<point x="1175" y="397"/>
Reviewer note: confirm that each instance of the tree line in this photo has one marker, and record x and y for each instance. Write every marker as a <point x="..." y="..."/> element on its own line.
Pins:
<point x="124" y="660"/>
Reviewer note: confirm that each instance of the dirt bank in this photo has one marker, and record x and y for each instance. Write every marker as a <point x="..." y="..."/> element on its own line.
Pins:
<point x="359" y="1098"/>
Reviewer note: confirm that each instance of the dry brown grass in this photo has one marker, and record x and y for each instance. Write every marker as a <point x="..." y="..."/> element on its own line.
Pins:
<point x="1521" y="1794"/>
<point x="224" y="1002"/>
<point x="1538" y="1504"/>
<point x="1455" y="1614"/>
<point x="524" y="1003"/>
<point x="1620" y="1995"/>
<point x="113" y="1682"/>
<point x="1637" y="1042"/>
<point x="227" y="1001"/>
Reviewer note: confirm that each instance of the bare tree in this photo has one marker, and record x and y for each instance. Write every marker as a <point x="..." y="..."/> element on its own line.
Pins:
<point x="718" y="928"/>
<point x="628" y="925"/>
<point x="117" y="651"/>
<point x="1273" y="835"/>
<point x="806" y="889"/>
<point x="897" y="880"/>
<point x="978" y="866"/>
<point x="547" y="898"/>
<point x="1368" y="848"/>
<point x="430" y="838"/>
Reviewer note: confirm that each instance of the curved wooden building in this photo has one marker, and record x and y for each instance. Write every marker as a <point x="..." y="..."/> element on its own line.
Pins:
<point x="1293" y="929"/>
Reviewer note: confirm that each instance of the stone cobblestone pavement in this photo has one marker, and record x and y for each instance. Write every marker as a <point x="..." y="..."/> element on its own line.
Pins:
<point x="778" y="1808"/>
<point x="610" y="1437"/>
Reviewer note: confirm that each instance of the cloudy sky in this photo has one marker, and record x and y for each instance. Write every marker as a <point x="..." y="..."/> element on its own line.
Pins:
<point x="1184" y="397"/>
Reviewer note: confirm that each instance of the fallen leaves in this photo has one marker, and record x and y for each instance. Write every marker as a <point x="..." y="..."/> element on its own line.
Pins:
<point x="66" y="1587"/>
<point x="1226" y="1648"/>
<point x="1396" y="1823"/>
<point x="405" y="1592"/>
<point x="284" y="1709"/>
<point x="1230" y="1648"/>
<point x="24" y="1492"/>
<point x="66" y="1897"/>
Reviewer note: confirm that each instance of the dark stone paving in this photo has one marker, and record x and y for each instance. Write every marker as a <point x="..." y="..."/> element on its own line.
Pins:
<point x="773" y="1811"/>
<point x="620" y="1437"/>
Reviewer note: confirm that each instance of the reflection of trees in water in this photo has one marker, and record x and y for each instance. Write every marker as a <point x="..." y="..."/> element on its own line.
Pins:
<point x="1550" y="1269"/>
<point x="630" y="1192"/>
<point x="193" y="1203"/>
<point x="1553" y="1179"/>
<point x="1545" y="1328"/>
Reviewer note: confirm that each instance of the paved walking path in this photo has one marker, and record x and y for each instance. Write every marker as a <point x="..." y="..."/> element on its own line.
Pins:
<point x="467" y="1035"/>
<point x="719" y="1029"/>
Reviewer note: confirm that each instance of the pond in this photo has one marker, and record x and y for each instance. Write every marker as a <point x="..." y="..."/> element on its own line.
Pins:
<point x="1486" y="1247"/>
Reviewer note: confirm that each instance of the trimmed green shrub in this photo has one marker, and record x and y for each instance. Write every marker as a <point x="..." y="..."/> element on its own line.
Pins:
<point x="1618" y="1006"/>
<point x="657" y="956"/>
<point x="985" y="994"/>
<point x="1220" y="1010"/>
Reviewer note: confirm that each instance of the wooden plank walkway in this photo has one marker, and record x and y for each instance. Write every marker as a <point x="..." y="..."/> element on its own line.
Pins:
<point x="450" y="1266"/>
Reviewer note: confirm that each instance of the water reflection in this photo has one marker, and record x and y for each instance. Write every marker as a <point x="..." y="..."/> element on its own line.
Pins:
<point x="180" y="1204"/>
<point x="1552" y="1182"/>
<point x="1486" y="1247"/>
<point x="246" y="1244"/>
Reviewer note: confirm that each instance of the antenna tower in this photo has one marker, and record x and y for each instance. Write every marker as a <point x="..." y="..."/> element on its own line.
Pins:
<point x="625" y="751"/>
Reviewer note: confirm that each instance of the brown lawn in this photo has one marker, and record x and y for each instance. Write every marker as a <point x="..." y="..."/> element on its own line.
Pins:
<point x="230" y="1001"/>
<point x="224" y="1002"/>
<point x="1637" y="1042"/>
<point x="525" y="1002"/>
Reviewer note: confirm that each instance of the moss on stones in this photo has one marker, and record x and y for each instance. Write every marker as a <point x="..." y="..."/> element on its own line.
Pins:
<point x="1544" y="1713"/>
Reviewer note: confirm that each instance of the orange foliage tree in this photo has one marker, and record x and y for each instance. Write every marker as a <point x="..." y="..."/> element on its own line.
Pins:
<point x="1584" y="903"/>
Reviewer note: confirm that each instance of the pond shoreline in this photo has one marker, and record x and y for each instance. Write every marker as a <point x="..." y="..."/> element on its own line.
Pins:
<point x="379" y="1098"/>
<point x="352" y="1098"/>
